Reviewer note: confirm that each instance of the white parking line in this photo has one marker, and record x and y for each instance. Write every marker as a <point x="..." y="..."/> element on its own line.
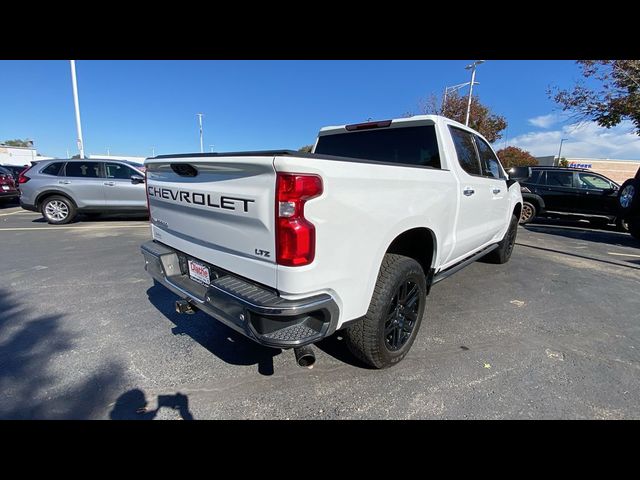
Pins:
<point x="19" y="211"/>
<point x="110" y="227"/>
<point x="624" y="254"/>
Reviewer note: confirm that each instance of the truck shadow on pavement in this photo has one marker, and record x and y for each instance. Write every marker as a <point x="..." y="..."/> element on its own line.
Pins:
<point x="30" y="346"/>
<point x="224" y="342"/>
<point x="132" y="405"/>
<point x="576" y="230"/>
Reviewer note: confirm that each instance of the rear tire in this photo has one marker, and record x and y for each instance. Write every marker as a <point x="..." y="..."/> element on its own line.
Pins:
<point x="502" y="254"/>
<point x="385" y="334"/>
<point x="528" y="213"/>
<point x="58" y="210"/>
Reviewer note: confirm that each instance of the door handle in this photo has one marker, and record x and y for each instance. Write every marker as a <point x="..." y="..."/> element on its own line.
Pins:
<point x="64" y="182"/>
<point x="496" y="191"/>
<point x="468" y="191"/>
<point x="110" y="184"/>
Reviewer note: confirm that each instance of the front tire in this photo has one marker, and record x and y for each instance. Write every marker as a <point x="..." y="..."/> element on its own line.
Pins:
<point x="502" y="254"/>
<point x="58" y="210"/>
<point x="385" y="334"/>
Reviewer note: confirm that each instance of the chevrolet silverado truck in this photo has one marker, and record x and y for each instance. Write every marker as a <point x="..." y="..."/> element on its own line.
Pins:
<point x="288" y="247"/>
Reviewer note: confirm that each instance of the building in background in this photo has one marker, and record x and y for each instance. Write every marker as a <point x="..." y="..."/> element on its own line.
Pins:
<point x="19" y="156"/>
<point x="616" y="170"/>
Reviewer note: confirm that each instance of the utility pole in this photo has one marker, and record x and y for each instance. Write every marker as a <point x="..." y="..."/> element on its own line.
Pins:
<point x="201" y="143"/>
<point x="153" y="151"/>
<point x="211" y="147"/>
<point x="76" y="103"/>
<point x="471" y="67"/>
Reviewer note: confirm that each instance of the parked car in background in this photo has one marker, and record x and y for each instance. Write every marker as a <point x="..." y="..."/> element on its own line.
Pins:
<point x="15" y="170"/>
<point x="60" y="189"/>
<point x="8" y="190"/>
<point x="629" y="204"/>
<point x="568" y="192"/>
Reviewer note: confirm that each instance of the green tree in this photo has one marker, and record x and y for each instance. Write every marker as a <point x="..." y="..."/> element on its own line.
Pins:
<point x="306" y="149"/>
<point x="18" y="143"/>
<point x="612" y="96"/>
<point x="516" y="157"/>
<point x="482" y="119"/>
<point x="563" y="162"/>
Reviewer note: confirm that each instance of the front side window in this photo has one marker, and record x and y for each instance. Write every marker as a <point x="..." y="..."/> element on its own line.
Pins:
<point x="592" y="182"/>
<point x="401" y="145"/>
<point x="557" y="178"/>
<point x="488" y="161"/>
<point x="117" y="170"/>
<point x="466" y="151"/>
<point x="83" y="169"/>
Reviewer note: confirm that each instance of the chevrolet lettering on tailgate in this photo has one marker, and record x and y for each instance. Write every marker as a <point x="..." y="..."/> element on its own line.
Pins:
<point x="206" y="199"/>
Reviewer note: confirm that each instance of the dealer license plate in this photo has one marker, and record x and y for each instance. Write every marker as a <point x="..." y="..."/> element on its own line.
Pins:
<point x="199" y="272"/>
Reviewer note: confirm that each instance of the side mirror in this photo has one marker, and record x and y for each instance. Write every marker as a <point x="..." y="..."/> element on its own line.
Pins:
<point x="135" y="179"/>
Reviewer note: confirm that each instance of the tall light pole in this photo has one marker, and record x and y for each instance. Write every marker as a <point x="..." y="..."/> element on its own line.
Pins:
<point x="211" y="147"/>
<point x="560" y="149"/>
<point x="471" y="67"/>
<point x="201" y="144"/>
<point x="153" y="151"/>
<point x="453" y="89"/>
<point x="74" y="82"/>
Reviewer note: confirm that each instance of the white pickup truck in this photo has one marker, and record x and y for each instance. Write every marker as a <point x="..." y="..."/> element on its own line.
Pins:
<point x="289" y="247"/>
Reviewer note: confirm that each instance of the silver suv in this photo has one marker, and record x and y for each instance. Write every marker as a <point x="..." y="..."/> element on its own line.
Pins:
<point x="60" y="189"/>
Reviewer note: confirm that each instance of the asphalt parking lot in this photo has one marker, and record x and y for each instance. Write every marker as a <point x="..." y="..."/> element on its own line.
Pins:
<point x="555" y="333"/>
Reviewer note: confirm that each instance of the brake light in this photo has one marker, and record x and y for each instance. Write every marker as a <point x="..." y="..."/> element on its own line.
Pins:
<point x="22" y="178"/>
<point x="295" y="235"/>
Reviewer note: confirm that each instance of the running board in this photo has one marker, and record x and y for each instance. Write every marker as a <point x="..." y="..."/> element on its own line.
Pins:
<point x="460" y="265"/>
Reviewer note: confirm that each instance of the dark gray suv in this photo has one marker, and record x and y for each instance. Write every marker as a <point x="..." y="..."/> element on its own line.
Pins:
<point x="60" y="189"/>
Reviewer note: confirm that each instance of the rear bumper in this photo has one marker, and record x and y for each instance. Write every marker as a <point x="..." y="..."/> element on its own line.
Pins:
<point x="28" y="206"/>
<point x="8" y="194"/>
<point x="253" y="310"/>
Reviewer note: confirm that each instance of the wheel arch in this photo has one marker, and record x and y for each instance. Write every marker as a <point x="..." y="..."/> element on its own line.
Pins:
<point x="49" y="193"/>
<point x="410" y="244"/>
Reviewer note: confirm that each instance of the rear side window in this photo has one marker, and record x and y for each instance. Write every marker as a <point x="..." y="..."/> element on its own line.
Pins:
<point x="558" y="179"/>
<point x="52" y="168"/>
<point x="488" y="160"/>
<point x="83" y="169"/>
<point x="401" y="145"/>
<point x="467" y="156"/>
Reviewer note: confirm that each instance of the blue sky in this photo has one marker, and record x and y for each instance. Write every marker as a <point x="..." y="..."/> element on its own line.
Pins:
<point x="132" y="106"/>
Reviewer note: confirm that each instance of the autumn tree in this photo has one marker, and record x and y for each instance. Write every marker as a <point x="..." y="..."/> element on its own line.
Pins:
<point x="613" y="93"/>
<point x="306" y="149"/>
<point x="482" y="119"/>
<point x="516" y="157"/>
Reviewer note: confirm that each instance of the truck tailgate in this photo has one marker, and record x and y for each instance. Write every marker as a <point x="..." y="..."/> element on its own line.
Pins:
<point x="219" y="209"/>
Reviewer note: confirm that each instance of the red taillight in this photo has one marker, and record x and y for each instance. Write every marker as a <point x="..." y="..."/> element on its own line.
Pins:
<point x="22" y="178"/>
<point x="295" y="236"/>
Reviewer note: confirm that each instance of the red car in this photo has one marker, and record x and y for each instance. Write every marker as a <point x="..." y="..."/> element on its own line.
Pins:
<point x="8" y="190"/>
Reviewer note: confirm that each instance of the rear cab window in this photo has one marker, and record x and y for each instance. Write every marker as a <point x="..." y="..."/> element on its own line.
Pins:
<point x="415" y="146"/>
